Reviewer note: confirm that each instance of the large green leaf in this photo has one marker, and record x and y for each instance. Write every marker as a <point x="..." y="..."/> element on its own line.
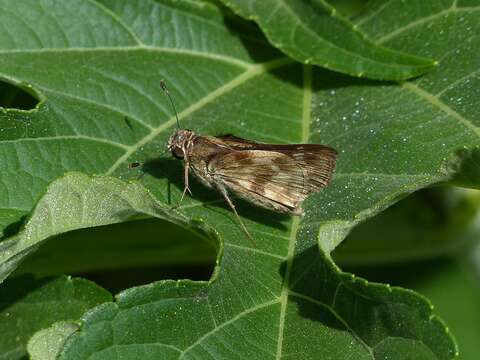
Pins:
<point x="245" y="310"/>
<point x="102" y="109"/>
<point x="313" y="32"/>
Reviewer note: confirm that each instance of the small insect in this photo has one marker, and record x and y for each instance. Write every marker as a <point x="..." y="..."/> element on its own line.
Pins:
<point x="276" y="177"/>
<point x="134" y="165"/>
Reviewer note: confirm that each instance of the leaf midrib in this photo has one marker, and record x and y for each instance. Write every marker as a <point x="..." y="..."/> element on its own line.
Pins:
<point x="68" y="137"/>
<point x="159" y="49"/>
<point x="306" y="117"/>
<point x="295" y="227"/>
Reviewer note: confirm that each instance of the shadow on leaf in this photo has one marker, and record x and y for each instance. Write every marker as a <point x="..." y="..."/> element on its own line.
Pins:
<point x="172" y="170"/>
<point x="17" y="288"/>
<point x="127" y="254"/>
<point x="13" y="228"/>
<point x="313" y="288"/>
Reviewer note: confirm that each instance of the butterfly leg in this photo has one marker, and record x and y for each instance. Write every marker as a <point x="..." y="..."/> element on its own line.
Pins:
<point x="185" y="181"/>
<point x="224" y="192"/>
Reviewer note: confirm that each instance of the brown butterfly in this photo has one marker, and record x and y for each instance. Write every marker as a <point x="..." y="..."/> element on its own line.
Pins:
<point x="276" y="177"/>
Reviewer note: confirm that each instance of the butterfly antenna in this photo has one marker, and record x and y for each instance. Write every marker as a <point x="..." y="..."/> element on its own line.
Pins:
<point x="164" y="88"/>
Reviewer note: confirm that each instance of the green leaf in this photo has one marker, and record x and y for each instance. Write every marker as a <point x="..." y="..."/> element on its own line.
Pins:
<point x="314" y="33"/>
<point x="194" y="319"/>
<point x="102" y="109"/>
<point x="28" y="305"/>
<point x="47" y="343"/>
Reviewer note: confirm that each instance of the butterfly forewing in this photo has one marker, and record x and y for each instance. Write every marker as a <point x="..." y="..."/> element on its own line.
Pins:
<point x="278" y="177"/>
<point x="318" y="162"/>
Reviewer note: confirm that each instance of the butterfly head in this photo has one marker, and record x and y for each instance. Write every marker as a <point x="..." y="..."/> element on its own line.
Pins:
<point x="180" y="142"/>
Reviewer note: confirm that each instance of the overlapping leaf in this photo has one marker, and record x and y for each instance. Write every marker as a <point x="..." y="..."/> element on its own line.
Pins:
<point x="103" y="109"/>
<point x="313" y="32"/>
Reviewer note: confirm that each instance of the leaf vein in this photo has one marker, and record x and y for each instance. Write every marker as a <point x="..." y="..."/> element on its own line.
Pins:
<point x="66" y="137"/>
<point x="226" y="323"/>
<point x="179" y="51"/>
<point x="456" y="82"/>
<point x="119" y="81"/>
<point x="362" y="174"/>
<point x="373" y="14"/>
<point x="118" y="20"/>
<point x="255" y="250"/>
<point x="422" y="21"/>
<point x="338" y="317"/>
<point x="442" y="106"/>
<point x="102" y="105"/>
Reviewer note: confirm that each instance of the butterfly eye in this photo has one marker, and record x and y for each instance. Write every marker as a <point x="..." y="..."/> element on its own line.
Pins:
<point x="178" y="152"/>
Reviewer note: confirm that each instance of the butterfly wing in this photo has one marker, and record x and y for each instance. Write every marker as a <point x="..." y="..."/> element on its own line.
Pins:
<point x="279" y="179"/>
<point x="231" y="142"/>
<point x="317" y="161"/>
